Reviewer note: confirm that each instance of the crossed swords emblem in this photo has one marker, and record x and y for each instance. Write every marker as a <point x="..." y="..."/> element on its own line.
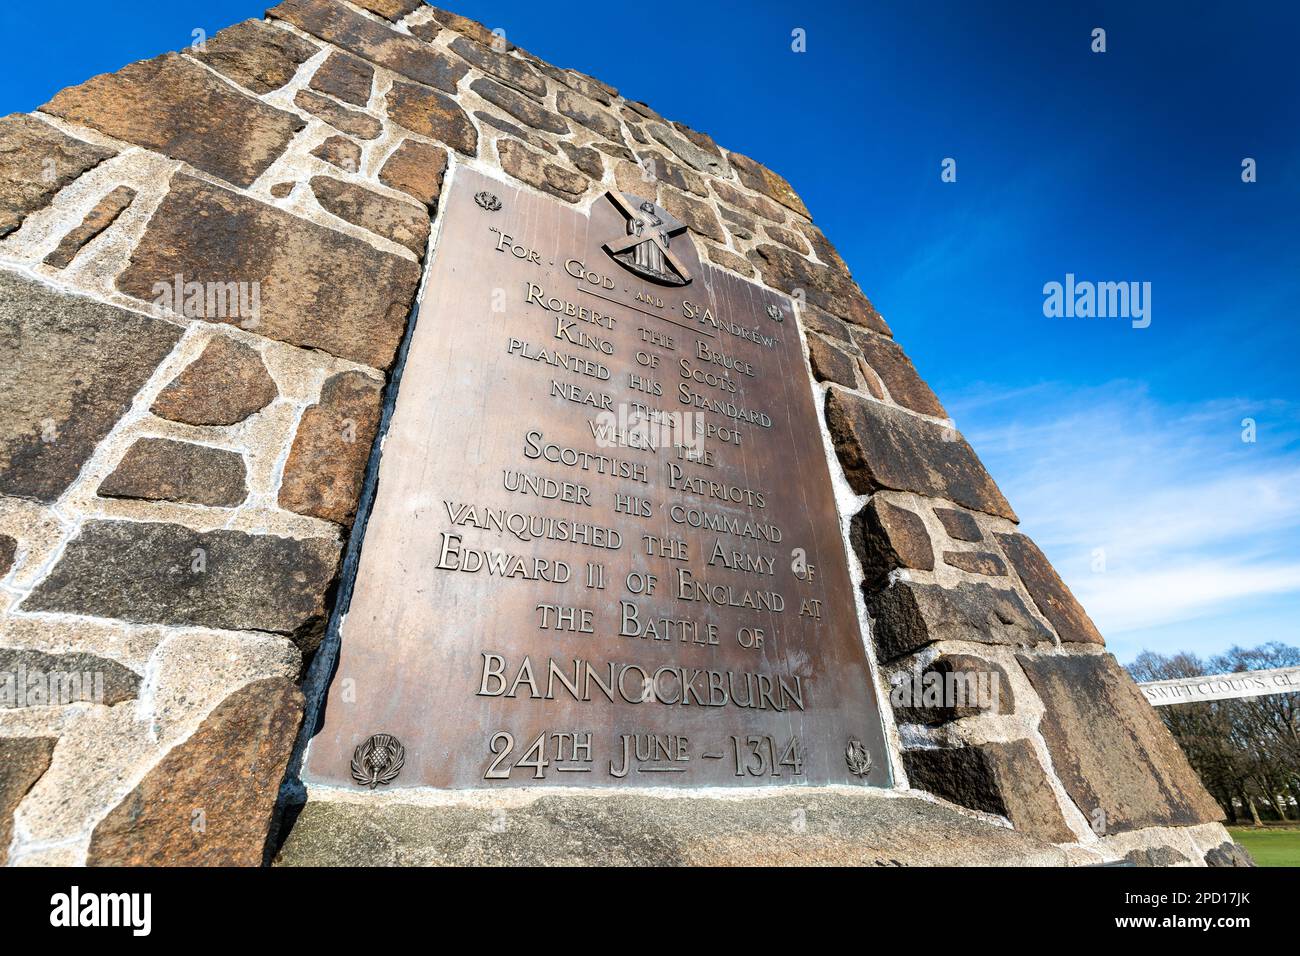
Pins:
<point x="619" y="246"/>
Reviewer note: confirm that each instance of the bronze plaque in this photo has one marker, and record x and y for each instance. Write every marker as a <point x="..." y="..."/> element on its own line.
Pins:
<point x="604" y="548"/>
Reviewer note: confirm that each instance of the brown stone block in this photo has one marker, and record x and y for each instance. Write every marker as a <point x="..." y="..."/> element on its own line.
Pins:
<point x="588" y="161"/>
<point x="666" y="171"/>
<point x="319" y="288"/>
<point x="833" y="291"/>
<point x="882" y="447"/>
<point x="522" y="163"/>
<point x="174" y="106"/>
<point x="36" y="161"/>
<point x="1001" y="778"/>
<point x="590" y="87"/>
<point x="698" y="216"/>
<point x="616" y="150"/>
<point x="757" y="205"/>
<point x="156" y="573"/>
<point x="703" y="140"/>
<point x="728" y="259"/>
<point x="223" y="386"/>
<point x="969" y="686"/>
<point x="350" y="121"/>
<point x="631" y="178"/>
<point x="72" y="368"/>
<point x="434" y="115"/>
<point x="327" y="462"/>
<point x="1155" y="856"/>
<point x="227" y="774"/>
<point x="416" y="168"/>
<point x="97" y="220"/>
<point x="8" y="551"/>
<point x="976" y="562"/>
<point x="99" y="680"/>
<point x="826" y="252"/>
<point x="372" y="41"/>
<point x="507" y="69"/>
<point x="465" y="27"/>
<point x="787" y="237"/>
<point x="584" y="111"/>
<point x="256" y="55"/>
<point x="398" y="220"/>
<point x="871" y="380"/>
<point x="907" y="616"/>
<point x="899" y="375"/>
<point x="705" y="160"/>
<point x="391" y="9"/>
<point x="341" y="152"/>
<point x="23" y="761"/>
<point x="959" y="525"/>
<point x="541" y="66"/>
<point x="638" y="134"/>
<point x="518" y="132"/>
<point x="346" y="78"/>
<point x="886" y="537"/>
<point x="160" y="469"/>
<point x="739" y="225"/>
<point x="427" y="31"/>
<point x="1112" y="753"/>
<point x="1226" y="854"/>
<point x="520" y="107"/>
<point x="1049" y="592"/>
<point x="638" y="110"/>
<point x="829" y="363"/>
<point x="818" y="321"/>
<point x="761" y="179"/>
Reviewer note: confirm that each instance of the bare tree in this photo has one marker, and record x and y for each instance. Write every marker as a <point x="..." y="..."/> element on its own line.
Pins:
<point x="1246" y="750"/>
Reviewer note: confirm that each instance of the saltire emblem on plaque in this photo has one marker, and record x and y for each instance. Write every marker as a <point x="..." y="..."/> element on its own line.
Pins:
<point x="646" y="249"/>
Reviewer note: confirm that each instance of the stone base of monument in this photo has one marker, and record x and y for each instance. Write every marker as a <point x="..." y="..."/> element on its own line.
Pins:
<point x="547" y="827"/>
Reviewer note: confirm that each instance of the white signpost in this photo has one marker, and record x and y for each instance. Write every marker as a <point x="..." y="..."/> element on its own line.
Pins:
<point x="1195" y="690"/>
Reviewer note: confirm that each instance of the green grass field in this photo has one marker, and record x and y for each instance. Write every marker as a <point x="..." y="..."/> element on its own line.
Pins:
<point x="1270" y="846"/>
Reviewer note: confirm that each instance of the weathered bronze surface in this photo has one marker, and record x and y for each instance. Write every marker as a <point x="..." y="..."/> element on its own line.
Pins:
<point x="559" y="584"/>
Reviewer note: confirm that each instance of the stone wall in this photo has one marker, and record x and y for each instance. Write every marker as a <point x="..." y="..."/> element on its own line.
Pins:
<point x="208" y="261"/>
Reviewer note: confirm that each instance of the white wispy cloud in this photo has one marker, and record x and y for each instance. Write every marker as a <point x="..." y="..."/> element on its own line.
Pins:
<point x="1186" y="519"/>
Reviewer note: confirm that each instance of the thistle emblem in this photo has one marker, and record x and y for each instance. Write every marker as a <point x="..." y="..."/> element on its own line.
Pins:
<point x="858" y="759"/>
<point x="487" y="200"/>
<point x="378" y="760"/>
<point x="775" y="314"/>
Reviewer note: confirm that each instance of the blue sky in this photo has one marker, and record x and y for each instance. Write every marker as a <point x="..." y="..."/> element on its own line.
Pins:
<point x="1111" y="442"/>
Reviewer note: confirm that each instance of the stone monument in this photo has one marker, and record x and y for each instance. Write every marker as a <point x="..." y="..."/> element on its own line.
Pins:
<point x="417" y="453"/>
